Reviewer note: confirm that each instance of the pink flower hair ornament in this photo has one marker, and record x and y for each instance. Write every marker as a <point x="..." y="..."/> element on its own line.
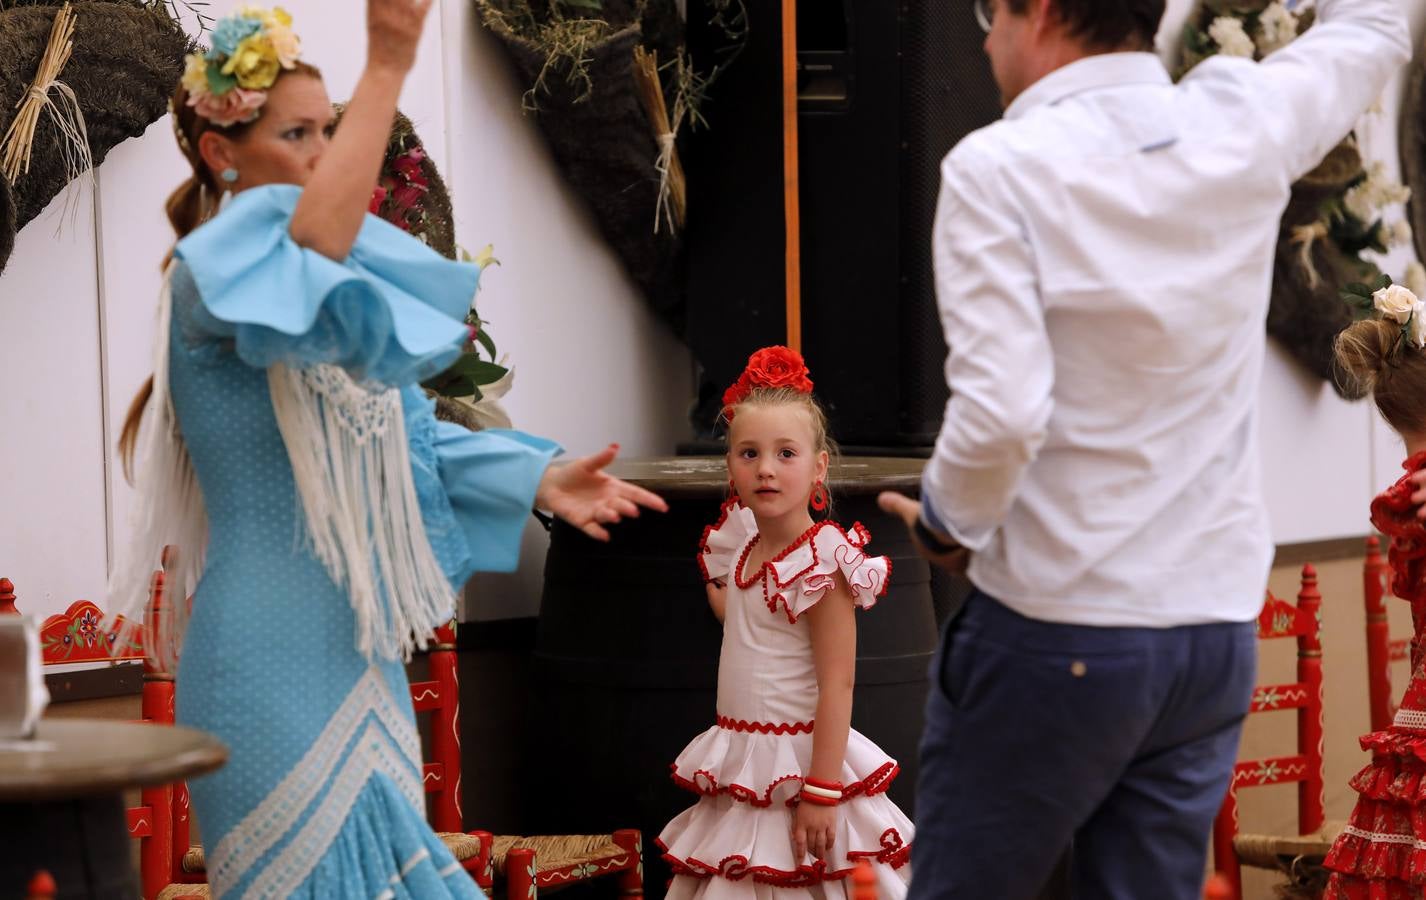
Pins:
<point x="228" y="84"/>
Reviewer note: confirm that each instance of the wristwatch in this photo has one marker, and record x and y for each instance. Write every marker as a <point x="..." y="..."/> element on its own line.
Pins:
<point x="931" y="541"/>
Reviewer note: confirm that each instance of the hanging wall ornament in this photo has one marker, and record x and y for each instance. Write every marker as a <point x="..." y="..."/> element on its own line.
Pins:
<point x="75" y="81"/>
<point x="1336" y="212"/>
<point x="7" y="223"/>
<point x="610" y="87"/>
<point x="1411" y="139"/>
<point x="411" y="194"/>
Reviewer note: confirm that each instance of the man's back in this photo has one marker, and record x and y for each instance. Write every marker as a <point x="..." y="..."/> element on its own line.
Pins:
<point x="1110" y="243"/>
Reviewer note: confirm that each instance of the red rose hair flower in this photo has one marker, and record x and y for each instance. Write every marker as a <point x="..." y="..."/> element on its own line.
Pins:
<point x="770" y="367"/>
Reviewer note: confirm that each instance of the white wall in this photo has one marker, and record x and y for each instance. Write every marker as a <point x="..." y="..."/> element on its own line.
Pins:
<point x="76" y="312"/>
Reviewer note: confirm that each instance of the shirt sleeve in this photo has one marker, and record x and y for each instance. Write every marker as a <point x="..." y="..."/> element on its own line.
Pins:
<point x="1312" y="91"/>
<point x="1000" y="369"/>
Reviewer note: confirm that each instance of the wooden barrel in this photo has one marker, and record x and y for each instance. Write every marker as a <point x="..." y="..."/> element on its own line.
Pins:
<point x="626" y="656"/>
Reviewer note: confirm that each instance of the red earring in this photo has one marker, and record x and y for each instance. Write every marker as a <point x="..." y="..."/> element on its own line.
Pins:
<point x="732" y="490"/>
<point x="819" y="497"/>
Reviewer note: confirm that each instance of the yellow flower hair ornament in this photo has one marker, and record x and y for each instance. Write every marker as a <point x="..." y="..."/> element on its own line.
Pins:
<point x="228" y="84"/>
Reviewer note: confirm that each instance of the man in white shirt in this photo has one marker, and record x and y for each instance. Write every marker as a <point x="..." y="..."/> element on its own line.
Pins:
<point x="1103" y="261"/>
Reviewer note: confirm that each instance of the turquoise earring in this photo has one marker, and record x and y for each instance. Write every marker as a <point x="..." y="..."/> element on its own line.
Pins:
<point x="229" y="175"/>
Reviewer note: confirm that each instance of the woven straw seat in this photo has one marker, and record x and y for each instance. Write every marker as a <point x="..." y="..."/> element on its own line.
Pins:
<point x="1298" y="857"/>
<point x="1266" y="851"/>
<point x="556" y="851"/>
<point x="462" y="847"/>
<point x="184" y="891"/>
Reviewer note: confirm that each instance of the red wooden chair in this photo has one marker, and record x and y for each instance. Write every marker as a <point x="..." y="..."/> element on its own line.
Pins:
<point x="1382" y="651"/>
<point x="528" y="864"/>
<point x="1280" y="619"/>
<point x="76" y="636"/>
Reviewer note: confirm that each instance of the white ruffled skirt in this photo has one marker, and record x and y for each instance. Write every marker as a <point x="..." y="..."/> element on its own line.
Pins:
<point x="736" y="840"/>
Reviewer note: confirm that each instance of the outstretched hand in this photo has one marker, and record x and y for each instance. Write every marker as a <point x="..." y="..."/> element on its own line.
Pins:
<point x="909" y="512"/>
<point x="587" y="497"/>
<point x="393" y="29"/>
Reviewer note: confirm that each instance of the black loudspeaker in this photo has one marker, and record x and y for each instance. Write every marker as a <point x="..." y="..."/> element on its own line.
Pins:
<point x="886" y="88"/>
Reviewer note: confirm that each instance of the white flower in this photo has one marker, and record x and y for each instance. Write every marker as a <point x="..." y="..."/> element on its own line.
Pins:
<point x="1383" y="234"/>
<point x="1389" y="192"/>
<point x="1397" y="302"/>
<point x="1416" y="278"/>
<point x="1227" y="32"/>
<point x="1360" y="203"/>
<point x="1400" y="233"/>
<point x="1277" y="27"/>
<point x="1416" y="331"/>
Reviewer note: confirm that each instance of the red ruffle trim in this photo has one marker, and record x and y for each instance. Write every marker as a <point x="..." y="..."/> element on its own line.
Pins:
<point x="1377" y="856"/>
<point x="1394" y="515"/>
<point x="858" y="537"/>
<point x="703" y="549"/>
<point x="704" y="783"/>
<point x="765" y="568"/>
<point x="765" y="727"/>
<point x="893" y="852"/>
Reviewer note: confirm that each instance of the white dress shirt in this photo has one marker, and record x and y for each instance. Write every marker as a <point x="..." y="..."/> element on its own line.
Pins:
<point x="1103" y="260"/>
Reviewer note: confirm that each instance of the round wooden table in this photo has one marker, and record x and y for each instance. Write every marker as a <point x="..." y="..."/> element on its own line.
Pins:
<point x="61" y="799"/>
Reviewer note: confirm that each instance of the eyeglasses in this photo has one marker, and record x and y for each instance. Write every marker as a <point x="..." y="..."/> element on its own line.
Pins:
<point x="984" y="14"/>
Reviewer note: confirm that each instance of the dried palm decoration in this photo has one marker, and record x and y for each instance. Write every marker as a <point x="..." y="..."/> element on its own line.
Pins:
<point x="18" y="143"/>
<point x="673" y="188"/>
<point x="117" y="61"/>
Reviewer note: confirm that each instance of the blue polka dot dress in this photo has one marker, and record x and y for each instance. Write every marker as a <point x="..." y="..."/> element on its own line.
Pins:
<point x="322" y="794"/>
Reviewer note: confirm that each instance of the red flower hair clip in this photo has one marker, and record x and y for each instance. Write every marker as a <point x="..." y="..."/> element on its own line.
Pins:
<point x="770" y="367"/>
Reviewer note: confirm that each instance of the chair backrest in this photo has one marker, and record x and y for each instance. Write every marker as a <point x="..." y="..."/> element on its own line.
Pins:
<point x="1280" y="619"/>
<point x="440" y="696"/>
<point x="1382" y="651"/>
<point x="76" y="636"/>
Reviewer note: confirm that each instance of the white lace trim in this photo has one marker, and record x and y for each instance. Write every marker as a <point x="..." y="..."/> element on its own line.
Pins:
<point x="286" y="871"/>
<point x="1409" y="718"/>
<point x="1382" y="837"/>
<point x="352" y="468"/>
<point x="284" y="805"/>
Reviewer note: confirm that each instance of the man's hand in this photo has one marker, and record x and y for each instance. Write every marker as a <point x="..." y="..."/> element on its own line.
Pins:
<point x="909" y="511"/>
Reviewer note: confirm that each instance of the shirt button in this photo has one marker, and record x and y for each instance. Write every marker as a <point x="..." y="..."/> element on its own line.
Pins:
<point x="1078" y="668"/>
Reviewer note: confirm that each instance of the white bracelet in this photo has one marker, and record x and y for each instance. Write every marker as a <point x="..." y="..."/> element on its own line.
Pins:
<point x="821" y="792"/>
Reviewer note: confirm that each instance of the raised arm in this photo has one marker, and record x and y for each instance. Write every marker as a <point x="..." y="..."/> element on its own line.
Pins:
<point x="330" y="212"/>
<point x="1319" y="85"/>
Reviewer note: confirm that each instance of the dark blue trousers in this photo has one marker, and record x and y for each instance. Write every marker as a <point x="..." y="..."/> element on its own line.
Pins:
<point x="1040" y="735"/>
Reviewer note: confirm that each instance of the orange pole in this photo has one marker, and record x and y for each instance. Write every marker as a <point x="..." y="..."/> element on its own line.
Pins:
<point x="791" y="210"/>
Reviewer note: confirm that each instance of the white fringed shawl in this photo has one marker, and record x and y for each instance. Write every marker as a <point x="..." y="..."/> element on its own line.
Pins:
<point x="348" y="448"/>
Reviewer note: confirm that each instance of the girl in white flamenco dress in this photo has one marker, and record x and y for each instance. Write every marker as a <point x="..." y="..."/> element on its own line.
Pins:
<point x="791" y="798"/>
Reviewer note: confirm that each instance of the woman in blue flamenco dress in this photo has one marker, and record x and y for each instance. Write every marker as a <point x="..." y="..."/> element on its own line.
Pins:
<point x="323" y="519"/>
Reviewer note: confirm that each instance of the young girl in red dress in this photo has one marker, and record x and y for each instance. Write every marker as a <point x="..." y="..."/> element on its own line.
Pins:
<point x="791" y="796"/>
<point x="1381" y="854"/>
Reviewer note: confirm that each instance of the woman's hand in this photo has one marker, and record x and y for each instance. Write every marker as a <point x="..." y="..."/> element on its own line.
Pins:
<point x="814" y="828"/>
<point x="587" y="497"/>
<point x="393" y="29"/>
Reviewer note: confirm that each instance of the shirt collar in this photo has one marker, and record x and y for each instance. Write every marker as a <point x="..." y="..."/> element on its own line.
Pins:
<point x="1101" y="70"/>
